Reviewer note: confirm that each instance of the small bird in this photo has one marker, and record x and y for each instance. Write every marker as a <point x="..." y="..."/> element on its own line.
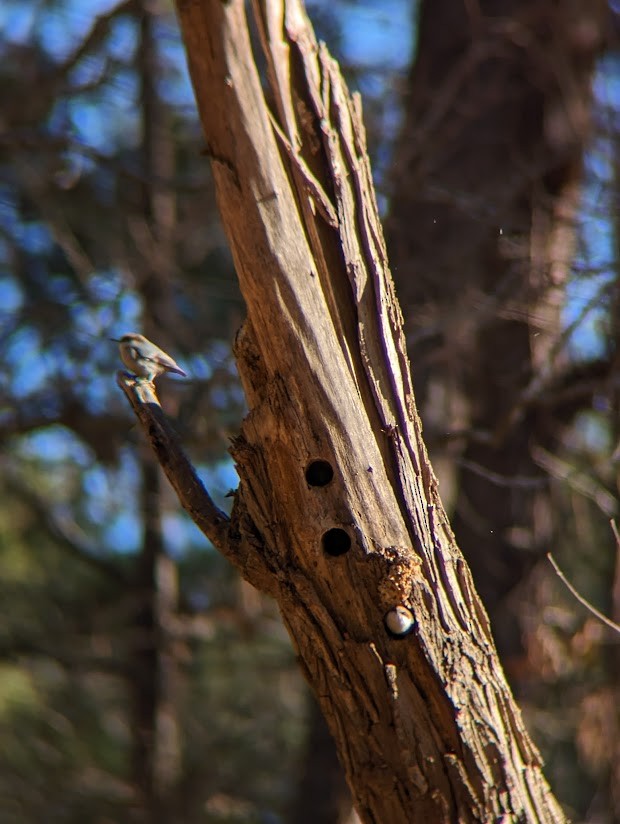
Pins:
<point x="144" y="358"/>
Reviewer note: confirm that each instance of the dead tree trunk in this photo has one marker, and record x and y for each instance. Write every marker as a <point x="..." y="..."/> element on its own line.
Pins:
<point x="337" y="514"/>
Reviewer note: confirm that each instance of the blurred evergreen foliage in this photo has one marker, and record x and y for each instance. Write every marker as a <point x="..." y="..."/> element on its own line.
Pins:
<point x="96" y="241"/>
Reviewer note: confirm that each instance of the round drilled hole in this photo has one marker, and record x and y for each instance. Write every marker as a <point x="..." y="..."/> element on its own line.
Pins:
<point x="319" y="473"/>
<point x="336" y="542"/>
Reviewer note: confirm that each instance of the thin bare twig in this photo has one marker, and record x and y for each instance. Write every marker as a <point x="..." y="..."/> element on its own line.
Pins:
<point x="509" y="481"/>
<point x="583" y="484"/>
<point x="583" y="601"/>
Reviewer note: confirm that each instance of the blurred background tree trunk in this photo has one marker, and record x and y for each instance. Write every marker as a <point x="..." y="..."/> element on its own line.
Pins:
<point x="482" y="231"/>
<point x="322" y="795"/>
<point x="157" y="762"/>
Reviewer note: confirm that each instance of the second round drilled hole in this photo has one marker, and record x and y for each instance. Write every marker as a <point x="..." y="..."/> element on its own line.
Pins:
<point x="319" y="473"/>
<point x="336" y="542"/>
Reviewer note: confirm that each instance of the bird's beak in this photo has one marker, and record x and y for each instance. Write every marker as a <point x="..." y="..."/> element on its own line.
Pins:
<point x="116" y="340"/>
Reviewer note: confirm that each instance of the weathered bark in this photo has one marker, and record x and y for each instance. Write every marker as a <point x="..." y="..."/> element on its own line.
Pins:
<point x="424" y="721"/>
<point x="488" y="170"/>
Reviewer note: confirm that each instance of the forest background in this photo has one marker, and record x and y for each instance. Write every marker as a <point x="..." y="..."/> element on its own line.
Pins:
<point x="140" y="679"/>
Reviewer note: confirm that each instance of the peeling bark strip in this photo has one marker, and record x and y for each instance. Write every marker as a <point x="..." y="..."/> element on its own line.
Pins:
<point x="425" y="724"/>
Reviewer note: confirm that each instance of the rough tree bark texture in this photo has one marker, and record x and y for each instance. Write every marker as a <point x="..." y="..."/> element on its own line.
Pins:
<point x="425" y="724"/>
